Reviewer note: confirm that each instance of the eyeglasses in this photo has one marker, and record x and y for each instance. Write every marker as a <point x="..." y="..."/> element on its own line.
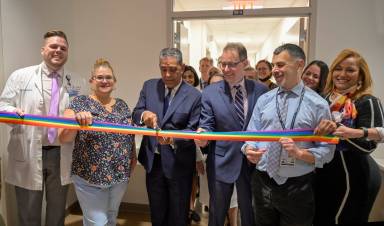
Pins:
<point x="229" y="64"/>
<point x="170" y="69"/>
<point x="100" y="78"/>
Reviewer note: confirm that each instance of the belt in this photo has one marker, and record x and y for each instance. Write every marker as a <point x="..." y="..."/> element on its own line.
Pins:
<point x="264" y="175"/>
<point x="50" y="147"/>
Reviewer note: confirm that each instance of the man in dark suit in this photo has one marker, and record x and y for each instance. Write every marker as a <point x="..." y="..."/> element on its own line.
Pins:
<point x="227" y="106"/>
<point x="170" y="104"/>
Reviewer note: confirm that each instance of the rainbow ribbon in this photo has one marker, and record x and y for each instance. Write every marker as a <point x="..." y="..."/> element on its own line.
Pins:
<point x="70" y="123"/>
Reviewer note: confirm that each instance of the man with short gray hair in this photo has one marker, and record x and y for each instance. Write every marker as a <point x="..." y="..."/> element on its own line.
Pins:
<point x="168" y="104"/>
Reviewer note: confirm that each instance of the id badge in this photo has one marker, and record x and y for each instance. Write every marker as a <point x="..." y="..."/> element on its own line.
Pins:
<point x="73" y="86"/>
<point x="73" y="90"/>
<point x="287" y="160"/>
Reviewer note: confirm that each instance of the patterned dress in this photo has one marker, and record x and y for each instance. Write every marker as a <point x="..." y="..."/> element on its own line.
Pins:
<point x="103" y="158"/>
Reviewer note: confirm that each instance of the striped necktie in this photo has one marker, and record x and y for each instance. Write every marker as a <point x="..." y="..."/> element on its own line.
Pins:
<point x="239" y="104"/>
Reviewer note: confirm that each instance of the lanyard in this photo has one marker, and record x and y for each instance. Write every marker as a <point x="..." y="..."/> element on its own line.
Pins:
<point x="296" y="112"/>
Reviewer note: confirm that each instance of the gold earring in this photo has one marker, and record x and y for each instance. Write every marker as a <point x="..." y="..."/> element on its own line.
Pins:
<point x="359" y="85"/>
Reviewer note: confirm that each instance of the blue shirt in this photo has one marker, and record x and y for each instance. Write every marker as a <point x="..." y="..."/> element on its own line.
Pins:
<point x="312" y="110"/>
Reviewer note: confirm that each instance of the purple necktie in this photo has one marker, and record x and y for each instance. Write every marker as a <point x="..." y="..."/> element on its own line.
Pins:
<point x="54" y="106"/>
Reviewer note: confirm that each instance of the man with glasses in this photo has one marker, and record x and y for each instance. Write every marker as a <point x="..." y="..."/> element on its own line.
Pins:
<point x="227" y="106"/>
<point x="169" y="104"/>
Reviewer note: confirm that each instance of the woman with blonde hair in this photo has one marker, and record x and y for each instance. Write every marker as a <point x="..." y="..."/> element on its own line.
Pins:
<point x="346" y="188"/>
<point x="102" y="162"/>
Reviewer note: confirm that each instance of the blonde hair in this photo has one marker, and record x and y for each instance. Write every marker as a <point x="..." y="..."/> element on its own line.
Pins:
<point x="364" y="74"/>
<point x="101" y="62"/>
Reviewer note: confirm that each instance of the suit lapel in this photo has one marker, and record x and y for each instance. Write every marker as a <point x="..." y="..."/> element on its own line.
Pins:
<point x="250" y="86"/>
<point x="160" y="89"/>
<point x="180" y="95"/>
<point x="225" y="93"/>
<point x="37" y="80"/>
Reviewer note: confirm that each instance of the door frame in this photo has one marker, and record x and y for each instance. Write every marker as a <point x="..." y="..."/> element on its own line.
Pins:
<point x="309" y="12"/>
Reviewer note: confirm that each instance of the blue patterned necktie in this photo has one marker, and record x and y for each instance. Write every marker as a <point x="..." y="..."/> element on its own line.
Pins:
<point x="274" y="148"/>
<point x="167" y="100"/>
<point x="239" y="104"/>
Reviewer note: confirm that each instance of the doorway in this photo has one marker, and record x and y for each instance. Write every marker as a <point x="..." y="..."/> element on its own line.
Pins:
<point x="200" y="29"/>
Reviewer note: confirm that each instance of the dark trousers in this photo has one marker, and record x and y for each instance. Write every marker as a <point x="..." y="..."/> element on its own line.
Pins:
<point x="221" y="198"/>
<point x="29" y="202"/>
<point x="289" y="204"/>
<point x="168" y="198"/>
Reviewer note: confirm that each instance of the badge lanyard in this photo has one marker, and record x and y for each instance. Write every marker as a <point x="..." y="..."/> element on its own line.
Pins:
<point x="296" y="112"/>
<point x="285" y="159"/>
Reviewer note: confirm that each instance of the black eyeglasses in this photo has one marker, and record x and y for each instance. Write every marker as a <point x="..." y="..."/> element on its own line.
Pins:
<point x="229" y="64"/>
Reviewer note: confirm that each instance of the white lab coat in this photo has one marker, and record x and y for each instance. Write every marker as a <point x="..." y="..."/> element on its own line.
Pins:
<point x="24" y="90"/>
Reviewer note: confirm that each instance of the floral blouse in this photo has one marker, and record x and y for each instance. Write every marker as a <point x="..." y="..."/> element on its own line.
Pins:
<point x="102" y="158"/>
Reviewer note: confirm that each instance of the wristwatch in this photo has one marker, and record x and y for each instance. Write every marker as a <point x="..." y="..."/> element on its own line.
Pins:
<point x="365" y="132"/>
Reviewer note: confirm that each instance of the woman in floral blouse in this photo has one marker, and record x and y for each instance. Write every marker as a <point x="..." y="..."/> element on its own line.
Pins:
<point x="102" y="162"/>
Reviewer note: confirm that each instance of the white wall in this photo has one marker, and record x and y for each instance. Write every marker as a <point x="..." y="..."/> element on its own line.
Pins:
<point x="279" y="36"/>
<point x="357" y="24"/>
<point x="128" y="33"/>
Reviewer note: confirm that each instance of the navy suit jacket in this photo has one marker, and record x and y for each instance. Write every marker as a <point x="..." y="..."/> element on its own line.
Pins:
<point x="183" y="114"/>
<point x="218" y="114"/>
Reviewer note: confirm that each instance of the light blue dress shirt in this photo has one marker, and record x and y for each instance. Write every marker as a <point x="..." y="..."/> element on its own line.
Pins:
<point x="312" y="110"/>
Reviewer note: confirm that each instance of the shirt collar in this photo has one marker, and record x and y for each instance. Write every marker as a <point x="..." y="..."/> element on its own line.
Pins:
<point x="47" y="71"/>
<point x="241" y="83"/>
<point x="174" y="89"/>
<point x="296" y="89"/>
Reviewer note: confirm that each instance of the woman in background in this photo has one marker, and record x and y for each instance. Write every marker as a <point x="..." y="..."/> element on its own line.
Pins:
<point x="190" y="76"/>
<point x="315" y="74"/>
<point x="264" y="73"/>
<point x="102" y="162"/>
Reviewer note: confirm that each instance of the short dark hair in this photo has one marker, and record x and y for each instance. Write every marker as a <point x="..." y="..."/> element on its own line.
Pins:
<point x="195" y="77"/>
<point x="269" y="65"/>
<point x="293" y="50"/>
<point x="57" y="33"/>
<point x="239" y="47"/>
<point x="208" y="59"/>
<point x="172" y="52"/>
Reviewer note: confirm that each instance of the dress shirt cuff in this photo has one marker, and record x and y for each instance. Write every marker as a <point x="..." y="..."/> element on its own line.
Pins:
<point x="380" y="130"/>
<point x="243" y="148"/>
<point x="141" y="118"/>
<point x="319" y="159"/>
<point x="173" y="145"/>
<point x="199" y="154"/>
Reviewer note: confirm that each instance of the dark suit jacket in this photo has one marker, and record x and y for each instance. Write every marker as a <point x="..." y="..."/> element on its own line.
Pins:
<point x="183" y="114"/>
<point x="218" y="114"/>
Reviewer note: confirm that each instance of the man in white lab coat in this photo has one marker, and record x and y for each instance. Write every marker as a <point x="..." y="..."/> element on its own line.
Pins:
<point x="38" y="163"/>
